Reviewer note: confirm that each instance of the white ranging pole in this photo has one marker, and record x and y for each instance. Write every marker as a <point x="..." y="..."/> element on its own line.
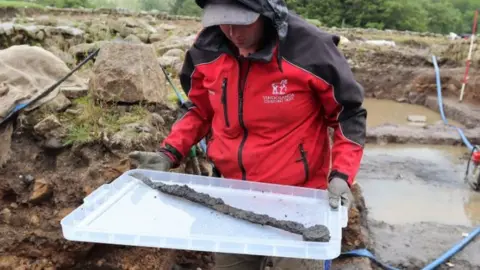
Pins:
<point x="469" y="57"/>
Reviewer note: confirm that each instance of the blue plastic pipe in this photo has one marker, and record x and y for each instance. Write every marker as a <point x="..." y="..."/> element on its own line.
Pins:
<point x="455" y="249"/>
<point x="440" y="105"/>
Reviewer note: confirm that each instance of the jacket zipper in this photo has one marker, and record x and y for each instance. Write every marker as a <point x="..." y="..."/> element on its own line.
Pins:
<point x="224" y="101"/>
<point x="241" y="88"/>
<point x="303" y="158"/>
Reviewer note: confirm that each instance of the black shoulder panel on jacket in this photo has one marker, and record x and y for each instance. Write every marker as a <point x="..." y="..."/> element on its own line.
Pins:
<point x="316" y="51"/>
<point x="194" y="57"/>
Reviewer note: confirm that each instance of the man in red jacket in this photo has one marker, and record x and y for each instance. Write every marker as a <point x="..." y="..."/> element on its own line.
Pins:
<point x="265" y="86"/>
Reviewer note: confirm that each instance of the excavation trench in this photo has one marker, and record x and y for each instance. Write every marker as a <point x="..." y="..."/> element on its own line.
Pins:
<point x="420" y="206"/>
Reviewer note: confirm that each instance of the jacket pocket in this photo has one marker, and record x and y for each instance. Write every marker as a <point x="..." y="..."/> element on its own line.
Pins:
<point x="303" y="159"/>
<point x="224" y="101"/>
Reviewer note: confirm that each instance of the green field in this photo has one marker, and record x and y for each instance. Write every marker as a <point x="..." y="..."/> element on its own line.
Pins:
<point x="19" y="4"/>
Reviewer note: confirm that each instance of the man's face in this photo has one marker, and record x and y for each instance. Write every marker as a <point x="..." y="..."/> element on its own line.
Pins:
<point x="244" y="36"/>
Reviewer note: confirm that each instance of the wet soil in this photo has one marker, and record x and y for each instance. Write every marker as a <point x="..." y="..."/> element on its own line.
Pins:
<point x="387" y="122"/>
<point x="420" y="207"/>
<point x="317" y="233"/>
<point x="384" y="111"/>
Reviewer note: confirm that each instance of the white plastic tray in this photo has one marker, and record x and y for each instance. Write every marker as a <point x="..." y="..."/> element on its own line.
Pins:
<point x="128" y="212"/>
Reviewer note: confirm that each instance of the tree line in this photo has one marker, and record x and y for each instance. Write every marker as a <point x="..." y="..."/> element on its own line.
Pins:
<point x="439" y="16"/>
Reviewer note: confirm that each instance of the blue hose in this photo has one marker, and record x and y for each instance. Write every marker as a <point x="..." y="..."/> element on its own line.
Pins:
<point x="455" y="249"/>
<point x="440" y="105"/>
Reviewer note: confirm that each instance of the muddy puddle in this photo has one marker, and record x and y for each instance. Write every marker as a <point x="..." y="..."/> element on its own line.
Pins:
<point x="381" y="111"/>
<point x="410" y="184"/>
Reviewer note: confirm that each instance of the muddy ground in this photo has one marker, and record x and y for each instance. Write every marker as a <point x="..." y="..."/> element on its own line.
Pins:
<point x="412" y="204"/>
<point x="420" y="207"/>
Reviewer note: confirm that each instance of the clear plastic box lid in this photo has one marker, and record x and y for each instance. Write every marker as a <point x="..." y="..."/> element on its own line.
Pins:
<point x="128" y="212"/>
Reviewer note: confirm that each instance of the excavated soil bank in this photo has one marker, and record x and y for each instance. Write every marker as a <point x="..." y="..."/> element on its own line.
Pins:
<point x="318" y="233"/>
<point x="31" y="232"/>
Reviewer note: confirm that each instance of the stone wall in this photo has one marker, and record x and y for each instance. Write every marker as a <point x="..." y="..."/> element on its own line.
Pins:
<point x="8" y="13"/>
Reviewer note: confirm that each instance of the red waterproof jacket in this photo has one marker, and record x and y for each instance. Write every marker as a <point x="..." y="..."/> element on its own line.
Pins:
<point x="267" y="115"/>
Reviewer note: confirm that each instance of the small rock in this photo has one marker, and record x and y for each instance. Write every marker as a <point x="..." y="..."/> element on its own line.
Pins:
<point x="35" y="220"/>
<point x="41" y="191"/>
<point x="27" y="179"/>
<point x="174" y="53"/>
<point x="132" y="38"/>
<point x="157" y="37"/>
<point x="50" y="127"/>
<point x="48" y="124"/>
<point x="157" y="120"/>
<point x="59" y="103"/>
<point x="74" y="111"/>
<point x="53" y="144"/>
<point x="40" y="35"/>
<point x="101" y="262"/>
<point x="167" y="27"/>
<point x="417" y="118"/>
<point x="401" y="100"/>
<point x="74" y="92"/>
<point x="168" y="61"/>
<point x="6" y="215"/>
<point x="14" y="205"/>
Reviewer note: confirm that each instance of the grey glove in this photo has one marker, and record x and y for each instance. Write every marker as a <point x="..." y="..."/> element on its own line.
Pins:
<point x="151" y="160"/>
<point x="339" y="189"/>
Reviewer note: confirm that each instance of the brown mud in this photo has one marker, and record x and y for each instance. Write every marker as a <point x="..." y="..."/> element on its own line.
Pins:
<point x="420" y="207"/>
<point x="317" y="233"/>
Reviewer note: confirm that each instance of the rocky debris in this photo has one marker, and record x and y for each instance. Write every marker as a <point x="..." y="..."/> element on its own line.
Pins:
<point x="174" y="42"/>
<point x="429" y="134"/>
<point x="80" y="51"/>
<point x="51" y="131"/>
<point x="74" y="92"/>
<point x="5" y="215"/>
<point x="66" y="57"/>
<point x="157" y="120"/>
<point x="167" y="27"/>
<point x="50" y="126"/>
<point x="41" y="191"/>
<point x="417" y="118"/>
<point x="173" y="60"/>
<point x="58" y="103"/>
<point x="132" y="38"/>
<point x="135" y="136"/>
<point x="465" y="113"/>
<point x="159" y="36"/>
<point x="126" y="72"/>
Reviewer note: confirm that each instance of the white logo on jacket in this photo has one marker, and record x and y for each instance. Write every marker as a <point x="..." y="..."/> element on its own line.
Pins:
<point x="280" y="88"/>
<point x="279" y="93"/>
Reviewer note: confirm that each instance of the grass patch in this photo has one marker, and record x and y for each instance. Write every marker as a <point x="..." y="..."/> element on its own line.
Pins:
<point x="20" y="4"/>
<point x="97" y="119"/>
<point x="408" y="40"/>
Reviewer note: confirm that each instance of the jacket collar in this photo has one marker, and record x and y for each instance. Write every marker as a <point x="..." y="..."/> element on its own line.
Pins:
<point x="212" y="39"/>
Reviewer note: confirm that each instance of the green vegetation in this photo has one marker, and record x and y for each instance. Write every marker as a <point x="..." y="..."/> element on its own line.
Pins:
<point x="18" y="4"/>
<point x="96" y="119"/>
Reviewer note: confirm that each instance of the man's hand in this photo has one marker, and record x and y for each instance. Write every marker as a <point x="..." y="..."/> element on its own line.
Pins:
<point x="151" y="160"/>
<point x="339" y="189"/>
